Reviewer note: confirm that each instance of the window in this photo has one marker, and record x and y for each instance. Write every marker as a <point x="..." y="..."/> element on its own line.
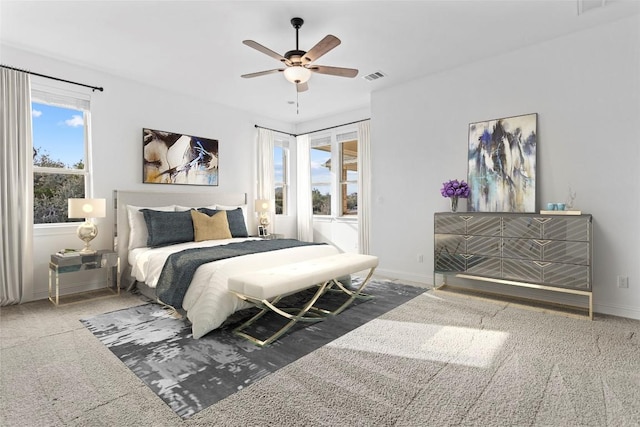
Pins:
<point x="321" y="181"/>
<point x="281" y="175"/>
<point x="349" y="177"/>
<point x="341" y="148"/>
<point x="60" y="146"/>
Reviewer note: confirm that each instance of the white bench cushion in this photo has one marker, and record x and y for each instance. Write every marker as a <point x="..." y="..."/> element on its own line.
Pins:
<point x="290" y="278"/>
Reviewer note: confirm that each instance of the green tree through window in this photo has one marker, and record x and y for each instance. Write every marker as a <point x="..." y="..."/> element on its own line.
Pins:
<point x="281" y="176"/>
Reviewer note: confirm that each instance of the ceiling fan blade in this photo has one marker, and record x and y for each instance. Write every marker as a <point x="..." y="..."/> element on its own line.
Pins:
<point x="334" y="71"/>
<point x="262" y="73"/>
<point x="302" y="87"/>
<point x="257" y="46"/>
<point x="323" y="46"/>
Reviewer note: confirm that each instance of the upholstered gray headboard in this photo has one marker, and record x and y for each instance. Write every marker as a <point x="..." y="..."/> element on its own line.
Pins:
<point x="122" y="198"/>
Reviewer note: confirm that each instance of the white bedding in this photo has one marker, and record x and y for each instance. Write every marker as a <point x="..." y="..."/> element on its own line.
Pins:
<point x="207" y="301"/>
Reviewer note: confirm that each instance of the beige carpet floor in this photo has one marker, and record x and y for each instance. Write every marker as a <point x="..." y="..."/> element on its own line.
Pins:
<point x="441" y="359"/>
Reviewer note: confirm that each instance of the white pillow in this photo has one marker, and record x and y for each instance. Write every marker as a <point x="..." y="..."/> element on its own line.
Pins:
<point x="188" y="208"/>
<point x="138" y="233"/>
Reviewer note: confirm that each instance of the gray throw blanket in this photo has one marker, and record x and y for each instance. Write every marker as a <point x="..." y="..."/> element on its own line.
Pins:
<point x="180" y="267"/>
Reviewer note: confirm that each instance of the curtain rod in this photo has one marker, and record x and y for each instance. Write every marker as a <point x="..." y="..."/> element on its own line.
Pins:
<point x="313" y="131"/>
<point x="276" y="130"/>
<point x="94" y="88"/>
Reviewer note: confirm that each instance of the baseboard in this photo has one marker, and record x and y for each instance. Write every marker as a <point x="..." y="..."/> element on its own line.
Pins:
<point x="617" y="310"/>
<point x="621" y="311"/>
<point x="401" y="275"/>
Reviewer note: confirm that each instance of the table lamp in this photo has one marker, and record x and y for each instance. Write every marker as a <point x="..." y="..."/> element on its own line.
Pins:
<point x="87" y="208"/>
<point x="263" y="206"/>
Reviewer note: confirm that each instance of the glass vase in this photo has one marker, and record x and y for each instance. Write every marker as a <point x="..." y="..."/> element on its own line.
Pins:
<point x="454" y="204"/>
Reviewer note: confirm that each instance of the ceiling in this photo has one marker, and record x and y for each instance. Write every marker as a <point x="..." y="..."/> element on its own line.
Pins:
<point x="195" y="47"/>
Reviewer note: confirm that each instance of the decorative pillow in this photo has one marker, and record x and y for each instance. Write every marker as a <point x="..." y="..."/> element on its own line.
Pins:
<point x="207" y="227"/>
<point x="235" y="217"/>
<point x="167" y="228"/>
<point x="137" y="227"/>
<point x="232" y="208"/>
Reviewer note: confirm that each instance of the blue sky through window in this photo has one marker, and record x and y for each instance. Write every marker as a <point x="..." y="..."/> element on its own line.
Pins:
<point x="59" y="132"/>
<point x="277" y="164"/>
<point x="319" y="172"/>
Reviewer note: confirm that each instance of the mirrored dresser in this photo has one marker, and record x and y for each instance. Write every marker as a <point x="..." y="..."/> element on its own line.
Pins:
<point x="551" y="252"/>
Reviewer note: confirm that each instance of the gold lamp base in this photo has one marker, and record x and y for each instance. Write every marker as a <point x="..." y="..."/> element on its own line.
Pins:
<point x="87" y="231"/>
<point x="264" y="223"/>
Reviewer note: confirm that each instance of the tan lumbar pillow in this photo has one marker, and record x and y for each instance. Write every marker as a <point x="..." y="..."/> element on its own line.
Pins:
<point x="207" y="227"/>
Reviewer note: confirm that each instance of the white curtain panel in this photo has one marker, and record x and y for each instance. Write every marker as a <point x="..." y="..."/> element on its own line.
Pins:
<point x="16" y="187"/>
<point x="364" y="186"/>
<point x="265" y="184"/>
<point x="88" y="157"/>
<point x="303" y="196"/>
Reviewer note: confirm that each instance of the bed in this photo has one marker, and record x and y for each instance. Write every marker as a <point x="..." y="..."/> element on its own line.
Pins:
<point x="206" y="302"/>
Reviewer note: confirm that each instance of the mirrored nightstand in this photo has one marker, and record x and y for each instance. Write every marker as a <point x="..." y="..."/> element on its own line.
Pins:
<point x="273" y="236"/>
<point x="104" y="259"/>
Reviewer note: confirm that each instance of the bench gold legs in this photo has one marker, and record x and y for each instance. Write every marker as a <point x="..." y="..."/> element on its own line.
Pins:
<point x="308" y="313"/>
<point x="270" y="306"/>
<point x="353" y="295"/>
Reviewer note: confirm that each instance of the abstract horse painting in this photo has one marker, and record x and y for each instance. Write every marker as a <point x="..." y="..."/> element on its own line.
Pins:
<point x="502" y="165"/>
<point x="173" y="158"/>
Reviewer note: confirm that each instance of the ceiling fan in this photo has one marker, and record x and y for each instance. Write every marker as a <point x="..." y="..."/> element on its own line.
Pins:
<point x="299" y="63"/>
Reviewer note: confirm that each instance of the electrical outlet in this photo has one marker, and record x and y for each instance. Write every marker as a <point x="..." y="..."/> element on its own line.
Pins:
<point x="420" y="258"/>
<point x="623" y="282"/>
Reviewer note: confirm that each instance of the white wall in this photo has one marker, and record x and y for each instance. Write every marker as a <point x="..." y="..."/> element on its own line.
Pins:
<point x="333" y="120"/>
<point x="118" y="116"/>
<point x="585" y="89"/>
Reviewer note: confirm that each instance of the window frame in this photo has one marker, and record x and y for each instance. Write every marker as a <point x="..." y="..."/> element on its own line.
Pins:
<point x="336" y="138"/>
<point x="283" y="144"/>
<point x="346" y="182"/>
<point x="59" y="97"/>
<point x="324" y="140"/>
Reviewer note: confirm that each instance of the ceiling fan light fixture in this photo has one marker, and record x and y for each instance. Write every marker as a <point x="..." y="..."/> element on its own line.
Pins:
<point x="297" y="65"/>
<point x="297" y="74"/>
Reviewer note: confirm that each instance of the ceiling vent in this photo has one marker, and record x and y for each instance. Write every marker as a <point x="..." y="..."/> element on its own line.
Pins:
<point x="374" y="76"/>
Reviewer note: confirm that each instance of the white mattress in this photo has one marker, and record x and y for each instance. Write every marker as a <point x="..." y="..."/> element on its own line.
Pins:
<point x="208" y="301"/>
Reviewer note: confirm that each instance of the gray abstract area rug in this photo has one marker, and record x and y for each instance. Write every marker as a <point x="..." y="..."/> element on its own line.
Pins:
<point x="189" y="375"/>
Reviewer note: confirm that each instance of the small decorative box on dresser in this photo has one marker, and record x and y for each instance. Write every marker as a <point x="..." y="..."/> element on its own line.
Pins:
<point x="550" y="252"/>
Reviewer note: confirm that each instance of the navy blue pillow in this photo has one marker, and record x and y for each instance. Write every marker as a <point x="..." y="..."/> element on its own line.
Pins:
<point x="168" y="228"/>
<point x="235" y="218"/>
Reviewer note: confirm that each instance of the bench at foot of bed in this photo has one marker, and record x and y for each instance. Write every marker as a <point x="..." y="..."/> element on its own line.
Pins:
<point x="265" y="288"/>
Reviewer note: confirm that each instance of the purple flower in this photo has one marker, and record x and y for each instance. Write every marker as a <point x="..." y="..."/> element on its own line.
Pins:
<point x="455" y="188"/>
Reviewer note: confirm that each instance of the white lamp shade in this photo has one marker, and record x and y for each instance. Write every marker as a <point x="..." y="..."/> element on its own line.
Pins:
<point x="87" y="208"/>
<point x="297" y="74"/>
<point x="264" y="205"/>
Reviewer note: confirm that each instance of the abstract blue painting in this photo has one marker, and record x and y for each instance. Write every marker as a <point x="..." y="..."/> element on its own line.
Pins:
<point x="173" y="158"/>
<point x="502" y="165"/>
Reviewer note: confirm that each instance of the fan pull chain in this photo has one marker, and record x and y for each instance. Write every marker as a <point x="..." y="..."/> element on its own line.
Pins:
<point x="297" y="102"/>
